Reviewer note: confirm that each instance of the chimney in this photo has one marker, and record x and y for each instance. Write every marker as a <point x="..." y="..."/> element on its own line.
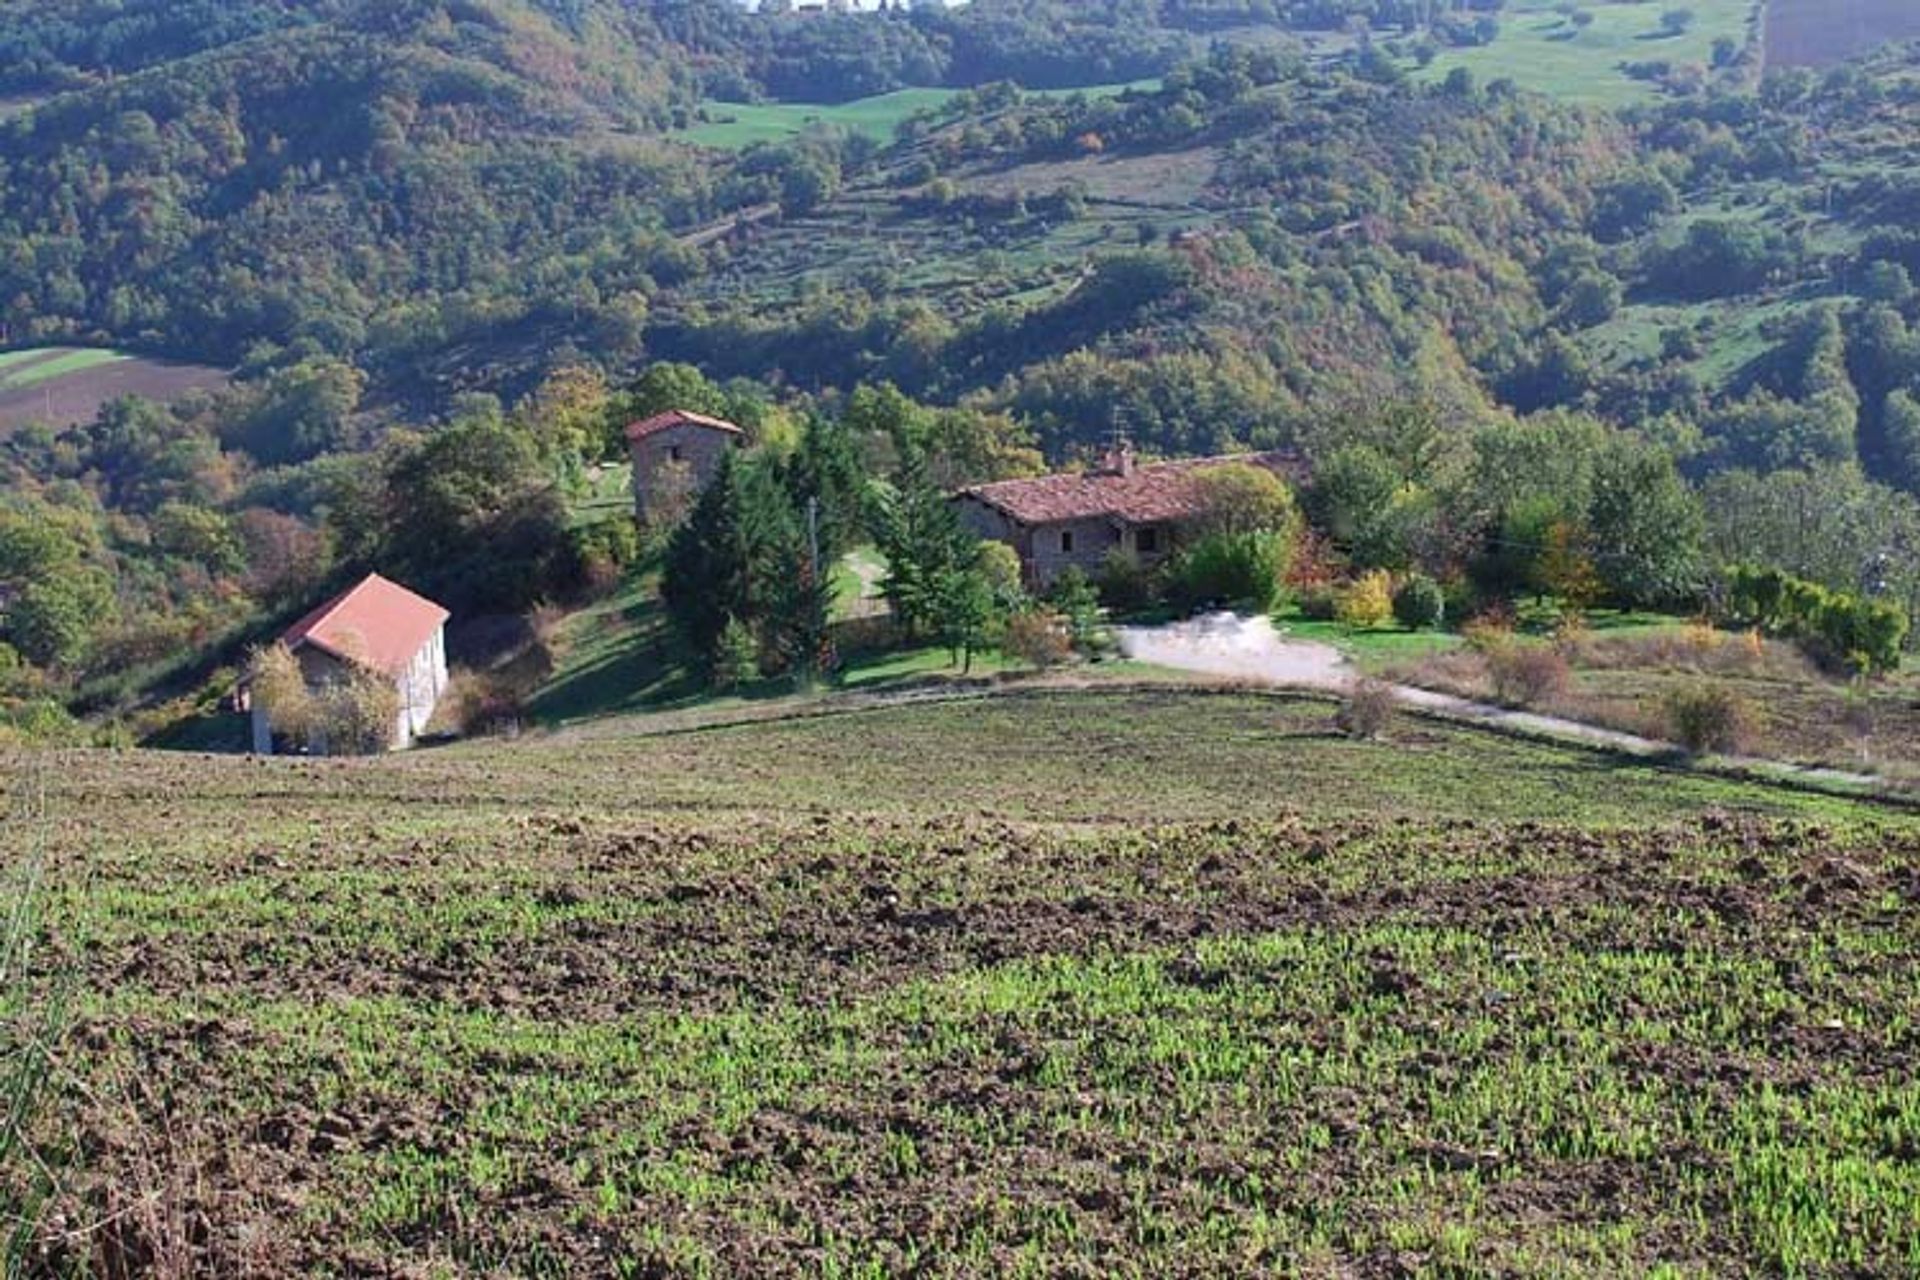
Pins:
<point x="1119" y="460"/>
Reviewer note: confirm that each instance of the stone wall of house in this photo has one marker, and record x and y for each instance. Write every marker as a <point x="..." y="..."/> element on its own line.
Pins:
<point x="1044" y="556"/>
<point x="656" y="457"/>
<point x="987" y="523"/>
<point x="1067" y="543"/>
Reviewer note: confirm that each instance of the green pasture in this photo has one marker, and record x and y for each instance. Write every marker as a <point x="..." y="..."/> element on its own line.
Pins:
<point x="1539" y="46"/>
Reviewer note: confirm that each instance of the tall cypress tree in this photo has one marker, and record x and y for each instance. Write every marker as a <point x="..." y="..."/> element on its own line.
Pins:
<point x="735" y="556"/>
<point x="826" y="470"/>
<point x="924" y="542"/>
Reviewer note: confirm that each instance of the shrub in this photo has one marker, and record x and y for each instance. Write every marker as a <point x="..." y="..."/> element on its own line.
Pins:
<point x="1074" y="598"/>
<point x="1571" y="636"/>
<point x="1125" y="585"/>
<point x="1707" y="717"/>
<point x="597" y="557"/>
<point x="736" y="660"/>
<point x="1243" y="570"/>
<point x="39" y="722"/>
<point x="357" y="715"/>
<point x="1863" y="634"/>
<point x="1365" y="602"/>
<point x="1527" y="674"/>
<point x="280" y="692"/>
<point x="1702" y="637"/>
<point x="1319" y="603"/>
<point x="1038" y="637"/>
<point x="1420" y="604"/>
<point x="479" y="703"/>
<point x="354" y="715"/>
<point x="999" y="564"/>
<point x="1490" y="630"/>
<point x="1368" y="710"/>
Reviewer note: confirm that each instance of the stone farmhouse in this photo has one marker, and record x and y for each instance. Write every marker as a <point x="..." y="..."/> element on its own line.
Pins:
<point x="1078" y="518"/>
<point x="378" y="626"/>
<point x="675" y="455"/>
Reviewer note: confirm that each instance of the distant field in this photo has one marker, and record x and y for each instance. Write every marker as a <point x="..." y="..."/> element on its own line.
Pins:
<point x="1168" y="178"/>
<point x="11" y="107"/>
<point x="64" y="385"/>
<point x="733" y="125"/>
<point x="1819" y="33"/>
<point x="1540" y="48"/>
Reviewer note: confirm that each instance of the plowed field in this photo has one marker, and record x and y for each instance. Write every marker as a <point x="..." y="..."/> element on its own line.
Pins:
<point x="1097" y="985"/>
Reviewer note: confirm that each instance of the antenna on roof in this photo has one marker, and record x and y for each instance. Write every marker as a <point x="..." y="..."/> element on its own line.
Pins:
<point x="1119" y="459"/>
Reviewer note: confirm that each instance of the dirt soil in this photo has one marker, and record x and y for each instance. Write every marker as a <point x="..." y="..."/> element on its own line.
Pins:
<point x="452" y="1019"/>
<point x="78" y="397"/>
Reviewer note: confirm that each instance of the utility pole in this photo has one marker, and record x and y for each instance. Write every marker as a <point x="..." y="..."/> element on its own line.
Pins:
<point x="817" y="622"/>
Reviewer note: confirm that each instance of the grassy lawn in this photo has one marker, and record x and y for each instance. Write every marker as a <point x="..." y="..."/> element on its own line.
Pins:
<point x="1539" y="48"/>
<point x="620" y="656"/>
<point x="1625" y="669"/>
<point x="737" y="125"/>
<point x="1376" y="649"/>
<point x="609" y="494"/>
<point x="1125" y="984"/>
<point x="1370" y="649"/>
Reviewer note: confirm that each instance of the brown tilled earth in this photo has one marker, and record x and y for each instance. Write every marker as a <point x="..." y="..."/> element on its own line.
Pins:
<point x="326" y="1027"/>
<point x="78" y="397"/>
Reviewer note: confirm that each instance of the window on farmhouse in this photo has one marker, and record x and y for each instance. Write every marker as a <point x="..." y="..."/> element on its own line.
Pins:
<point x="1146" y="540"/>
<point x="1066" y="542"/>
<point x="673" y="453"/>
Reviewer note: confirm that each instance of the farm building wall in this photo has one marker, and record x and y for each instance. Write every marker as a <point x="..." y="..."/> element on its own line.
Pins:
<point x="1043" y="554"/>
<point x="420" y="687"/>
<point x="696" y="447"/>
<point x="1064" y="544"/>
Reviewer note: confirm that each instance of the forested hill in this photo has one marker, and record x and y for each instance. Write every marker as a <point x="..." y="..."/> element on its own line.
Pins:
<point x="447" y="244"/>
<point x="390" y="182"/>
<point x="445" y="195"/>
<point x="311" y="183"/>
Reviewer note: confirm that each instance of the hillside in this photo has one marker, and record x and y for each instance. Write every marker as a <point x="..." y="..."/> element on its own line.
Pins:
<point x="503" y="187"/>
<point x="1214" y="991"/>
<point x="452" y="159"/>
<point x="1212" y="236"/>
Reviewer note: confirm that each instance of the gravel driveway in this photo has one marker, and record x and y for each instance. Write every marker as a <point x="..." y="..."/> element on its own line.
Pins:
<point x="1226" y="644"/>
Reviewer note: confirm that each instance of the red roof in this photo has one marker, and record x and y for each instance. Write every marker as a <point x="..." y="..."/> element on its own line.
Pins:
<point x="678" y="418"/>
<point x="1150" y="493"/>
<point x="379" y="624"/>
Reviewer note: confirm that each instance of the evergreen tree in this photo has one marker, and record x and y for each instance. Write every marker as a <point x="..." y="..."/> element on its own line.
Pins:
<point x="733" y="558"/>
<point x="924" y="542"/>
<point x="826" y="470"/>
<point x="964" y="611"/>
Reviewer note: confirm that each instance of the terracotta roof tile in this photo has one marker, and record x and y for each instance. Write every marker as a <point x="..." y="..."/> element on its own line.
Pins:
<point x="678" y="418"/>
<point x="1153" y="492"/>
<point x="378" y="624"/>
